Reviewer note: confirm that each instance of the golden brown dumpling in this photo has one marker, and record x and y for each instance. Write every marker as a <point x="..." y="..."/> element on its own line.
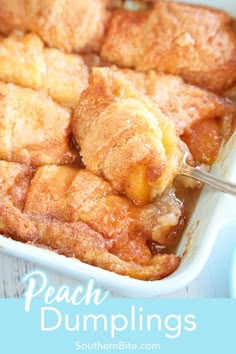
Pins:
<point x="71" y="195"/>
<point x="69" y="25"/>
<point x="34" y="130"/>
<point x="124" y="137"/>
<point x="195" y="42"/>
<point x="26" y="62"/>
<point x="183" y="103"/>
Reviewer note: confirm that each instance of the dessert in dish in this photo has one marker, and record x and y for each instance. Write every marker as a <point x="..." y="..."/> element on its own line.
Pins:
<point x="90" y="152"/>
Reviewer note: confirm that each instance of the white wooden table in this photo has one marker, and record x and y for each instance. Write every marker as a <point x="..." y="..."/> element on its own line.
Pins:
<point x="213" y="282"/>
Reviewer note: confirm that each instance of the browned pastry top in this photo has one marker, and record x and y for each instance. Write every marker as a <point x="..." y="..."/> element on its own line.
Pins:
<point x="195" y="42"/>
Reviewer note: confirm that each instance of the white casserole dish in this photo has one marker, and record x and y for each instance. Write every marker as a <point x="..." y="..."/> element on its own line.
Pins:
<point x="213" y="212"/>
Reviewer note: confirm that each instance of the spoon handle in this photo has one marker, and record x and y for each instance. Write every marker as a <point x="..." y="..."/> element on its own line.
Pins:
<point x="196" y="173"/>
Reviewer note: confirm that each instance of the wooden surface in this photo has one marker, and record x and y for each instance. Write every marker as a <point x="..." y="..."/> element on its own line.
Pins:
<point x="212" y="282"/>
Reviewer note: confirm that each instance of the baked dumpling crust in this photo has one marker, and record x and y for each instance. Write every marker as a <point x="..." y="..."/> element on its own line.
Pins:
<point x="71" y="195"/>
<point x="111" y="120"/>
<point x="15" y="180"/>
<point x="79" y="215"/>
<point x="25" y="61"/>
<point x="80" y="241"/>
<point x="183" y="103"/>
<point x="195" y="42"/>
<point x="34" y="130"/>
<point x="74" y="25"/>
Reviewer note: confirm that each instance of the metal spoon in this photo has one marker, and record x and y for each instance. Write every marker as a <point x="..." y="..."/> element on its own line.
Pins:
<point x="205" y="177"/>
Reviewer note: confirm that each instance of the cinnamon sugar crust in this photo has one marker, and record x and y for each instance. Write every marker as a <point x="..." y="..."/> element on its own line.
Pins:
<point x="25" y="61"/>
<point x="110" y="121"/>
<point x="79" y="215"/>
<point x="183" y="103"/>
<point x="78" y="240"/>
<point x="14" y="185"/>
<point x="66" y="25"/>
<point x="195" y="42"/>
<point x="34" y="129"/>
<point x="71" y="195"/>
